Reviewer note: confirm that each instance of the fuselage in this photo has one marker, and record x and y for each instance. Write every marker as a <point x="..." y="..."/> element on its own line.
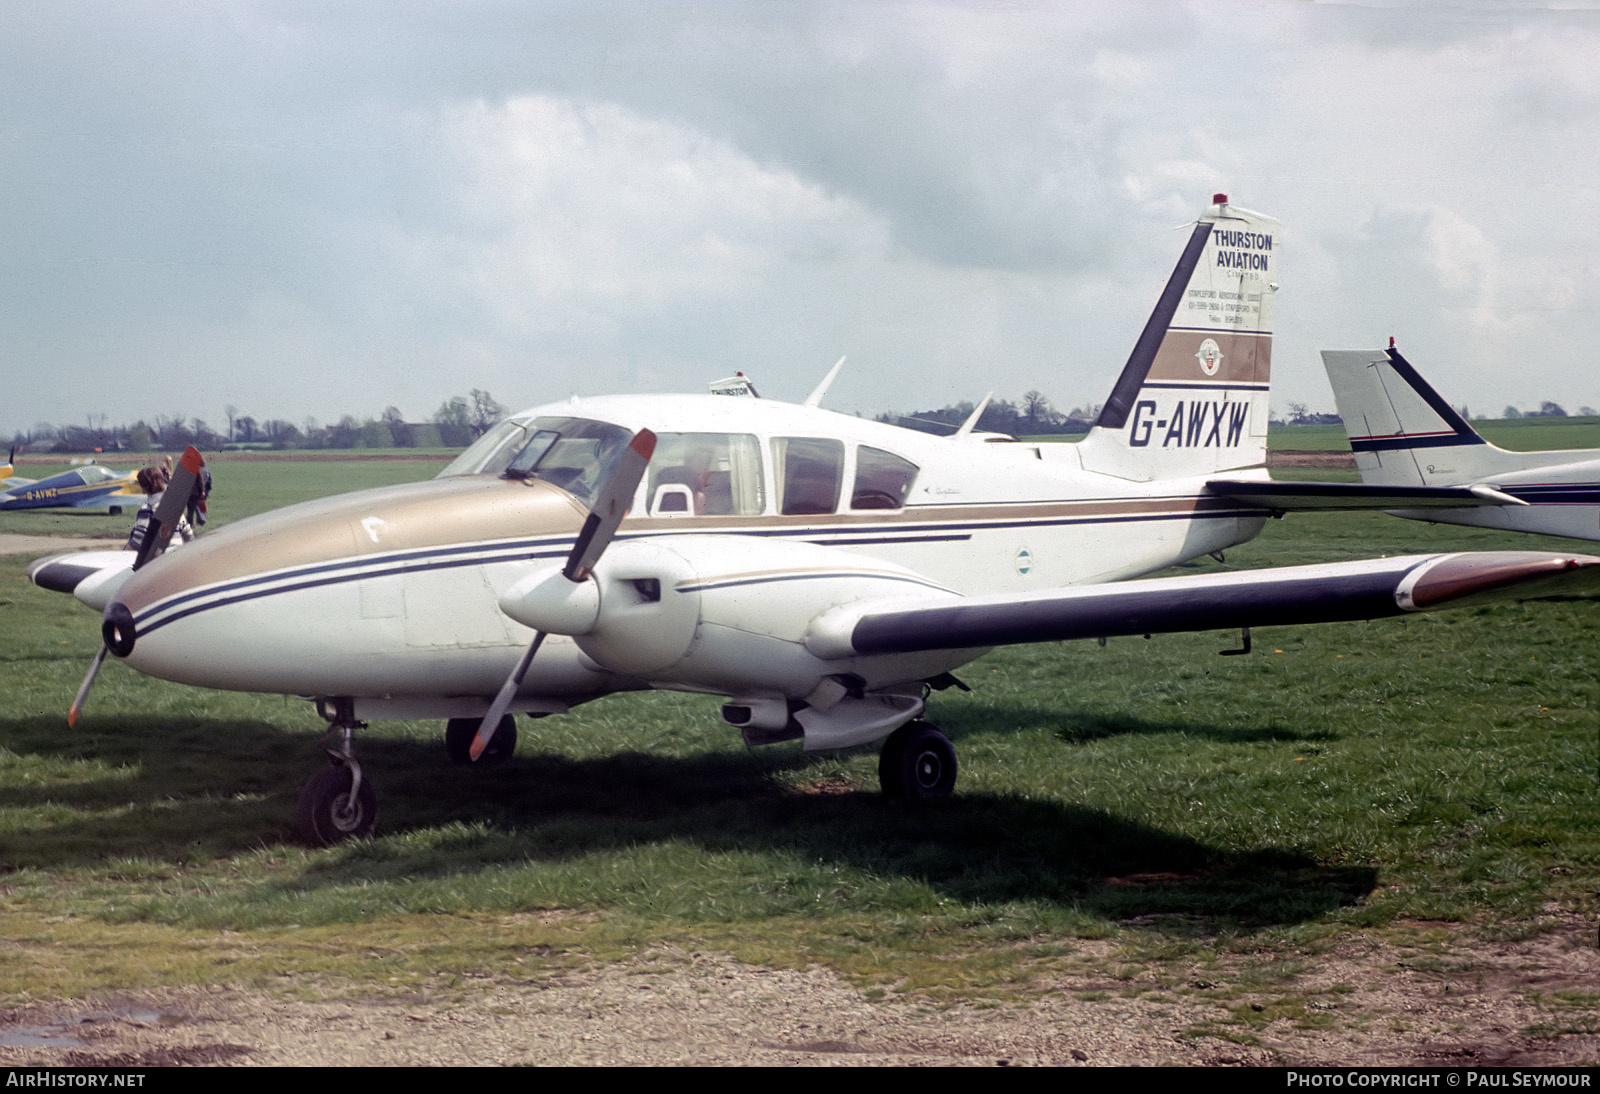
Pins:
<point x="1561" y="489"/>
<point x="392" y="594"/>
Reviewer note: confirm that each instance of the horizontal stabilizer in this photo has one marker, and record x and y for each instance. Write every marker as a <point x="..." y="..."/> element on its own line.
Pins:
<point x="1292" y="497"/>
<point x="1325" y="593"/>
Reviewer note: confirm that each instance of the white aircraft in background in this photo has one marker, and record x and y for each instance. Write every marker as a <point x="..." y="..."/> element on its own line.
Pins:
<point x="818" y="572"/>
<point x="1405" y="434"/>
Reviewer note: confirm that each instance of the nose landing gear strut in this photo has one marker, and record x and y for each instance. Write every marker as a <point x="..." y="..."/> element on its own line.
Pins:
<point x="338" y="803"/>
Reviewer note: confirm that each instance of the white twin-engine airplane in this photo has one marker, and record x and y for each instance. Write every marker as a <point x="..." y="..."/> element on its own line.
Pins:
<point x="819" y="572"/>
<point x="1405" y="434"/>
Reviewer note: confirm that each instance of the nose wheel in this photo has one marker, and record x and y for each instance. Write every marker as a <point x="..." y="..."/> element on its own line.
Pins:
<point x="335" y="807"/>
<point x="918" y="763"/>
<point x="338" y="803"/>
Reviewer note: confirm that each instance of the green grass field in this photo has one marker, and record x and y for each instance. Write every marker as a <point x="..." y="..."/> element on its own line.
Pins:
<point x="1517" y="434"/>
<point x="1342" y="778"/>
<point x="242" y="487"/>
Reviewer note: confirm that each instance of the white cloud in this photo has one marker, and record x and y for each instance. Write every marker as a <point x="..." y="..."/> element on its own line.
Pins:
<point x="382" y="204"/>
<point x="575" y="208"/>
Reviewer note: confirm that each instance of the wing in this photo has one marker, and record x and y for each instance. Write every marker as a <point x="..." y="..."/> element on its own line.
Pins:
<point x="1334" y="592"/>
<point x="105" y="499"/>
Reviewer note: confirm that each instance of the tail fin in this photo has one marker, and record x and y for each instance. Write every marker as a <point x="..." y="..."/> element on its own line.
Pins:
<point x="1193" y="397"/>
<point x="1402" y="430"/>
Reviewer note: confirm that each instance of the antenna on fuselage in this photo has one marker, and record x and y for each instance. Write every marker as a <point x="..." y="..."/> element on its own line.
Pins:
<point x="972" y="419"/>
<point x="815" y="398"/>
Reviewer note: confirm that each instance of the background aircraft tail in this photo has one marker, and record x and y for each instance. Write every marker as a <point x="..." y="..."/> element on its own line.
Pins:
<point x="1192" y="399"/>
<point x="1404" y="433"/>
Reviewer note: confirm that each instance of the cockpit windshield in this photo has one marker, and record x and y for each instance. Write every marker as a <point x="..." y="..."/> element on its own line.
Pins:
<point x="95" y="473"/>
<point x="489" y="454"/>
<point x="576" y="454"/>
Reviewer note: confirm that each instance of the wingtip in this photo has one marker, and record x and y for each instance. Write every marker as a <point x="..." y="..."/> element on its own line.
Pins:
<point x="1485" y="575"/>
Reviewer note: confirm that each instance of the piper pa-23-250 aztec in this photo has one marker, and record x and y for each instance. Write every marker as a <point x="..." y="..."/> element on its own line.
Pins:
<point x="819" y="572"/>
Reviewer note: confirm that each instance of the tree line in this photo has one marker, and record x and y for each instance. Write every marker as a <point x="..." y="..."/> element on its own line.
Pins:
<point x="462" y="419"/>
<point x="1031" y="416"/>
<point x="458" y="422"/>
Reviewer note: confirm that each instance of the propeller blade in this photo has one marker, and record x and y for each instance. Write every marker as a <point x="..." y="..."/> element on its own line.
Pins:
<point x="83" y="691"/>
<point x="180" y="490"/>
<point x="174" y="501"/>
<point x="508" y="692"/>
<point x="611" y="506"/>
<point x="601" y="525"/>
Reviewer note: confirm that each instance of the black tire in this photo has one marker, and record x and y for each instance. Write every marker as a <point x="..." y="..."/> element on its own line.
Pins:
<point x="917" y="764"/>
<point x="327" y="813"/>
<point x="114" y="511"/>
<point x="458" y="735"/>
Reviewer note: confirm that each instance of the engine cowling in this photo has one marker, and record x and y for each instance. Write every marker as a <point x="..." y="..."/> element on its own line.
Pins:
<point x="729" y="614"/>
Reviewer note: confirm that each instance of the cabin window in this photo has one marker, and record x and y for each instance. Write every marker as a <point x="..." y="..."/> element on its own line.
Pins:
<point x="808" y="471"/>
<point x="705" y="474"/>
<point x="883" y="480"/>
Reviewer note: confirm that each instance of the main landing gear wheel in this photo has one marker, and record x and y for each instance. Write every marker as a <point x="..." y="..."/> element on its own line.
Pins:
<point x="329" y="813"/>
<point x="458" y="735"/>
<point x="917" y="764"/>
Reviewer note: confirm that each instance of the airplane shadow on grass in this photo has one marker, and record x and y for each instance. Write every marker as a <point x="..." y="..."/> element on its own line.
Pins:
<point x="187" y="791"/>
<point x="1086" y="724"/>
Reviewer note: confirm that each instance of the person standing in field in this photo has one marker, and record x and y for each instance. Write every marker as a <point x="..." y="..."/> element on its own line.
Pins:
<point x="153" y="481"/>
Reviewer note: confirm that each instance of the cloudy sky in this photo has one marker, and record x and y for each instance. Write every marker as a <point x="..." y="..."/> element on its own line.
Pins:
<point x="313" y="209"/>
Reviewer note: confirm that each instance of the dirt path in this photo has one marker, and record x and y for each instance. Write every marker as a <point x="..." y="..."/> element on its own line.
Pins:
<point x="1456" y="1001"/>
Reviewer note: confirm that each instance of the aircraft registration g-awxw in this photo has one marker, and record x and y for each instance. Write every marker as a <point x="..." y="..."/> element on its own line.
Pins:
<point x="818" y="572"/>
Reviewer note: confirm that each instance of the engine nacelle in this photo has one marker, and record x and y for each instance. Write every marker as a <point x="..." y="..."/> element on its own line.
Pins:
<point x="727" y="615"/>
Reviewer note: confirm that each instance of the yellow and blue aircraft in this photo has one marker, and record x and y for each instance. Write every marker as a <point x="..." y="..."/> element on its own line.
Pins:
<point x="88" y="487"/>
